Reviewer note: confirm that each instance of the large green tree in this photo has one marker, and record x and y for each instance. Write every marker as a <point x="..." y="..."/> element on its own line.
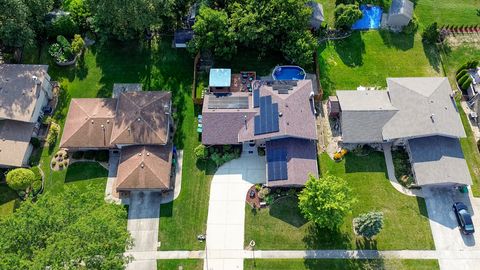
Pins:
<point x="20" y="179"/>
<point x="265" y="24"/>
<point x="326" y="201"/>
<point x="125" y="20"/>
<point x="346" y="15"/>
<point x="75" y="229"/>
<point x="212" y="33"/>
<point x="14" y="28"/>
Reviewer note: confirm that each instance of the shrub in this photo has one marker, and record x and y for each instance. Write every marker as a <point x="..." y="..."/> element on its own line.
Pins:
<point x="261" y="151"/>
<point x="77" y="44"/>
<point x="77" y="155"/>
<point x="64" y="26"/>
<point x="20" y="179"/>
<point x="461" y="74"/>
<point x="37" y="186"/>
<point x="35" y="142"/>
<point x="227" y="148"/>
<point x="201" y="152"/>
<point x="467" y="83"/>
<point x="262" y="194"/>
<point x="258" y="187"/>
<point x="102" y="156"/>
<point x="463" y="79"/>
<point x="54" y="163"/>
<point x="217" y="159"/>
<point x="291" y="192"/>
<point x="431" y="33"/>
<point x="53" y="134"/>
<point x="411" y="27"/>
<point x="368" y="225"/>
<point x="47" y="120"/>
<point x="90" y="154"/>
<point x="472" y="64"/>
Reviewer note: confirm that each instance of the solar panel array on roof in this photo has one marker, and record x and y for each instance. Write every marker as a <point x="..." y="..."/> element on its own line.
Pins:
<point x="227" y="102"/>
<point x="277" y="164"/>
<point x="267" y="121"/>
<point x="256" y="98"/>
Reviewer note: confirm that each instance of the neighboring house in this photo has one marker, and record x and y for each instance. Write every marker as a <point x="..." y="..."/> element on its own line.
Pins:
<point x="418" y="113"/>
<point x="24" y="91"/>
<point x="278" y="115"/>
<point x="136" y="123"/>
<point x="317" y="17"/>
<point x="400" y="13"/>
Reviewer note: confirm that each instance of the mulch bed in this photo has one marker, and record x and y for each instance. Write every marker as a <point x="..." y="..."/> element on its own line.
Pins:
<point x="253" y="201"/>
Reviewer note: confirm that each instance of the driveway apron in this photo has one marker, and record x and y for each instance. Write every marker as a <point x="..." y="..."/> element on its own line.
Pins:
<point x="445" y="230"/>
<point x="226" y="211"/>
<point x="143" y="219"/>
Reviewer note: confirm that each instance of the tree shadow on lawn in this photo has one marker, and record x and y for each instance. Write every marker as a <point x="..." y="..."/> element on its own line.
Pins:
<point x="166" y="210"/>
<point x="351" y="49"/>
<point x="431" y="52"/>
<point x="320" y="238"/>
<point x="286" y="209"/>
<point x="399" y="41"/>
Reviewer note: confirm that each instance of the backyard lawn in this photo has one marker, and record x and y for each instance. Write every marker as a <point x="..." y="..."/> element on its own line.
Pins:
<point x="187" y="264"/>
<point x="8" y="199"/>
<point x="157" y="67"/>
<point x="406" y="221"/>
<point x="368" y="58"/>
<point x="339" y="264"/>
<point x="457" y="12"/>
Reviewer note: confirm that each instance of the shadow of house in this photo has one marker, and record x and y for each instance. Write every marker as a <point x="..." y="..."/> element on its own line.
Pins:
<point x="351" y="49"/>
<point x="81" y="171"/>
<point x="286" y="209"/>
<point x="400" y="41"/>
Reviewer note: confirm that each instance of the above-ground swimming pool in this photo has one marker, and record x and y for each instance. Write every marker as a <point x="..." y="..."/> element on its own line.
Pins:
<point x="283" y="73"/>
<point x="371" y="19"/>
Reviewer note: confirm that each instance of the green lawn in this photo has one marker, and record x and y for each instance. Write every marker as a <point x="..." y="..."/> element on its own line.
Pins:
<point x="187" y="264"/>
<point x="458" y="12"/>
<point x="406" y="221"/>
<point x="368" y="58"/>
<point x="339" y="264"/>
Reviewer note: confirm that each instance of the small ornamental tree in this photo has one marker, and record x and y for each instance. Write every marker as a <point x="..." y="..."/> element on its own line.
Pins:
<point x="369" y="224"/>
<point x="326" y="201"/>
<point x="201" y="152"/>
<point x="20" y="179"/>
<point x="77" y="44"/>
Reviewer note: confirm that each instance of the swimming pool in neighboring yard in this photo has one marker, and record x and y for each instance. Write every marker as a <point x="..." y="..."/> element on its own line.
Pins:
<point x="283" y="73"/>
<point x="371" y="19"/>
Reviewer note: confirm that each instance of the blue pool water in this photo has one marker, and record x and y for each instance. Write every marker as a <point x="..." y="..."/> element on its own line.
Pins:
<point x="283" y="73"/>
<point x="371" y="19"/>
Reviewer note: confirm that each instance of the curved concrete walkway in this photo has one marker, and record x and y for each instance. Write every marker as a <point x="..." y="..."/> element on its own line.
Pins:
<point x="226" y="211"/>
<point x="387" y="151"/>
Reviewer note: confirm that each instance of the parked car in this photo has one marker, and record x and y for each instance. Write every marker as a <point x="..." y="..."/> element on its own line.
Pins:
<point x="464" y="218"/>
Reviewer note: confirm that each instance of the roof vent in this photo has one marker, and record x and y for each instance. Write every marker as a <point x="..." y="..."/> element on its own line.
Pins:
<point x="148" y="154"/>
<point x="138" y="119"/>
<point x="102" y="126"/>
<point x="108" y="121"/>
<point x="432" y="116"/>
<point x="139" y="154"/>
<point x="280" y="114"/>
<point x="142" y="165"/>
<point x="92" y="121"/>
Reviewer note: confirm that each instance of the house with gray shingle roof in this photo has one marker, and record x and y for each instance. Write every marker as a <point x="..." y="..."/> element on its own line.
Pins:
<point x="276" y="114"/>
<point x="24" y="91"/>
<point x="418" y="113"/>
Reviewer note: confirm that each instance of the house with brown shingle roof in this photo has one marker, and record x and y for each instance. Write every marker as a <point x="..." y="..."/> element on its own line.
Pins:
<point x="278" y="115"/>
<point x="136" y="123"/>
<point x="24" y="91"/>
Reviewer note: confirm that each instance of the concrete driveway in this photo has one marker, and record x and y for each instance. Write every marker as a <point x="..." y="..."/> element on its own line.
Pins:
<point x="143" y="218"/>
<point x="226" y="211"/>
<point x="443" y="223"/>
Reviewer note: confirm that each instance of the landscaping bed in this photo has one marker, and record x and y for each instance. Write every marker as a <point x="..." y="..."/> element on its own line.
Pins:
<point x="403" y="167"/>
<point x="406" y="223"/>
